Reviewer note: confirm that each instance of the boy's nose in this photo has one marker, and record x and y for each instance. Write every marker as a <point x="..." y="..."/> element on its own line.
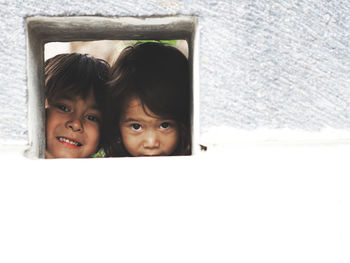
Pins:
<point x="75" y="125"/>
<point x="151" y="140"/>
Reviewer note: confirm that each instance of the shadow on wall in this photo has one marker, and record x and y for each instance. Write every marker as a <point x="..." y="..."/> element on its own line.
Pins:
<point x="107" y="50"/>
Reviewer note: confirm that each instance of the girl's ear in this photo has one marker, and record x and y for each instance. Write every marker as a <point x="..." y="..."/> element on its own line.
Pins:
<point x="46" y="104"/>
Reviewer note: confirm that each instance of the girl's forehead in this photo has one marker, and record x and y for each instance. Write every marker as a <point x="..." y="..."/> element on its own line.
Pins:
<point x="132" y="101"/>
<point x="134" y="106"/>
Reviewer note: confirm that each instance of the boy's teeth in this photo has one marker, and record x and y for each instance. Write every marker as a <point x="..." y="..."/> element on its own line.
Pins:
<point x="68" y="141"/>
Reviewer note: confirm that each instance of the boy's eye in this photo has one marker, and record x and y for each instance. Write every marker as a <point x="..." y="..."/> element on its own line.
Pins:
<point x="165" y="125"/>
<point x="136" y="126"/>
<point x="93" y="118"/>
<point x="62" y="107"/>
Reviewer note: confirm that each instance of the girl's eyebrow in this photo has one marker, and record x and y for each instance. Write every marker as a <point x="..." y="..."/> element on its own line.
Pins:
<point x="141" y="120"/>
<point x="130" y="120"/>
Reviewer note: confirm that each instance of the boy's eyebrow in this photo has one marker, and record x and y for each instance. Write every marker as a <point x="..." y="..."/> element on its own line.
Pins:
<point x="65" y="97"/>
<point x="94" y="107"/>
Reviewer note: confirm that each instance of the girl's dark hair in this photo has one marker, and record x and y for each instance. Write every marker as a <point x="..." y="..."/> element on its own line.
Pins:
<point x="76" y="75"/>
<point x="158" y="75"/>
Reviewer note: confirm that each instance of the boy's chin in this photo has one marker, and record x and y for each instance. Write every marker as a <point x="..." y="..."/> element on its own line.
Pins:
<point x="48" y="155"/>
<point x="64" y="154"/>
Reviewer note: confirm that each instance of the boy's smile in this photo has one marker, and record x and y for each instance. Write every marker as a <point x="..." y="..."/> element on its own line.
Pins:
<point x="146" y="134"/>
<point x="72" y="128"/>
<point x="69" y="142"/>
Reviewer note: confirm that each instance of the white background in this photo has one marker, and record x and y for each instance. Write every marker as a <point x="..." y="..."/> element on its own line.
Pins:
<point x="250" y="204"/>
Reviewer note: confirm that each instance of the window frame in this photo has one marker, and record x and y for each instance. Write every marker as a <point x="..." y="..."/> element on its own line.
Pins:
<point x="41" y="30"/>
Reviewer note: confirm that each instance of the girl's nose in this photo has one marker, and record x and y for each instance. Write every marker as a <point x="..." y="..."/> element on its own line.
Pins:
<point x="151" y="140"/>
<point x="75" y="125"/>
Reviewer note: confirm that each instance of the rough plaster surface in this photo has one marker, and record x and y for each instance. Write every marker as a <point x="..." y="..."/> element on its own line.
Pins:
<point x="263" y="64"/>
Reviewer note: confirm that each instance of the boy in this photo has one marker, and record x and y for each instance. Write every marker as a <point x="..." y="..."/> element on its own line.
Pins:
<point x="74" y="95"/>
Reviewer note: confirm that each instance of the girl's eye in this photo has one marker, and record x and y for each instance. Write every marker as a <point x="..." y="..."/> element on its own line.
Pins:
<point x="165" y="125"/>
<point x="62" y="107"/>
<point x="136" y="126"/>
<point x="92" y="118"/>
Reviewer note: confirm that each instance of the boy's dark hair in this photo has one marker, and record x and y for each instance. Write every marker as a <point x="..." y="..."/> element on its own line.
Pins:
<point x="158" y="75"/>
<point x="76" y="75"/>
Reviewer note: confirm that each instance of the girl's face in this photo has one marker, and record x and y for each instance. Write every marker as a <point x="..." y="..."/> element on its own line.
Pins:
<point x="72" y="127"/>
<point x="146" y="134"/>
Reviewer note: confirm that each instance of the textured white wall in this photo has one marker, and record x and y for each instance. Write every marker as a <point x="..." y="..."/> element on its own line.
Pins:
<point x="278" y="64"/>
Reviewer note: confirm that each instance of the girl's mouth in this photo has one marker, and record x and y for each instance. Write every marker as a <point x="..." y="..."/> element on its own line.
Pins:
<point x="69" y="141"/>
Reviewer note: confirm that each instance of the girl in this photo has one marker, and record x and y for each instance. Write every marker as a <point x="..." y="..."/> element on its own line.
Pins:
<point x="74" y="97"/>
<point x="149" y="102"/>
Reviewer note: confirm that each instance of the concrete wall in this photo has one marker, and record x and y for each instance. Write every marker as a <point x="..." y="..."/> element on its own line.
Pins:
<point x="277" y="64"/>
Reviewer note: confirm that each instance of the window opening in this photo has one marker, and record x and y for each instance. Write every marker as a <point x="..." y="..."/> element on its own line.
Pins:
<point x="47" y="36"/>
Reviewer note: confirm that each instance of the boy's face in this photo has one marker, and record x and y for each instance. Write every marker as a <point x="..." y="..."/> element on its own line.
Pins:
<point x="147" y="134"/>
<point x="72" y="127"/>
